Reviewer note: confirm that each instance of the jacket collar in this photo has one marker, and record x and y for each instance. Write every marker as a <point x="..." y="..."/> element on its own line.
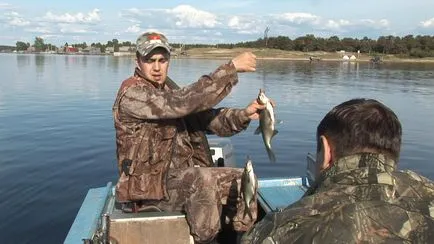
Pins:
<point x="362" y="168"/>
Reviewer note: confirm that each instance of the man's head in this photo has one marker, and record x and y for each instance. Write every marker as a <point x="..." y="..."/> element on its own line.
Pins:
<point x="153" y="54"/>
<point x="355" y="126"/>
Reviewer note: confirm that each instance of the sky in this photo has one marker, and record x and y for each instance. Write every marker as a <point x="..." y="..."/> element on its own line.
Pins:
<point x="209" y="22"/>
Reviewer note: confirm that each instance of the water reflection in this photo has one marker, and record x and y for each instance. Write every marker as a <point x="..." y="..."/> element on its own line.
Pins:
<point x="23" y="60"/>
<point x="114" y="63"/>
<point x="39" y="63"/>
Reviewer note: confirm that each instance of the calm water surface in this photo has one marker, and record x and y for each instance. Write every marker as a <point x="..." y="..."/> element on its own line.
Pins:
<point x="57" y="135"/>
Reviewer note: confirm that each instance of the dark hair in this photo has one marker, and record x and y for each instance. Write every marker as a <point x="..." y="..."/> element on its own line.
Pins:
<point x="361" y="125"/>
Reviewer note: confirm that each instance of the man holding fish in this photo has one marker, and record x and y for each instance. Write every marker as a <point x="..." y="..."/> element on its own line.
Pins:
<point x="163" y="155"/>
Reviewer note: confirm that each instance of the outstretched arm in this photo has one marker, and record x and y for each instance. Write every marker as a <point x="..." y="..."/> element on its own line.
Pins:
<point x="140" y="102"/>
<point x="229" y="121"/>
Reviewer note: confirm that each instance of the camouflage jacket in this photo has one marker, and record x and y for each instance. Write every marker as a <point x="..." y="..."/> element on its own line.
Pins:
<point x="361" y="199"/>
<point x="160" y="127"/>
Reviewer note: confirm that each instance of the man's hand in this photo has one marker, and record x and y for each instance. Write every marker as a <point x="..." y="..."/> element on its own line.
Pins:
<point x="253" y="109"/>
<point x="245" y="62"/>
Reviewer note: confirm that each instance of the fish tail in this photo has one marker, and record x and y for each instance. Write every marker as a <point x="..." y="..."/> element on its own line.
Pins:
<point x="271" y="155"/>
<point x="247" y="211"/>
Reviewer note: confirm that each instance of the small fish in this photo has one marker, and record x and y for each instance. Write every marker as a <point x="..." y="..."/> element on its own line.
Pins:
<point x="266" y="124"/>
<point x="248" y="186"/>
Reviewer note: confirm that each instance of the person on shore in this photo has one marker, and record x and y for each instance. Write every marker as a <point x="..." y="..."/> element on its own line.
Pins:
<point x="163" y="154"/>
<point x="359" y="196"/>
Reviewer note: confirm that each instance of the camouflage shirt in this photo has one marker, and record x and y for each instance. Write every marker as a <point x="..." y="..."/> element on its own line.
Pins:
<point x="160" y="127"/>
<point x="361" y="199"/>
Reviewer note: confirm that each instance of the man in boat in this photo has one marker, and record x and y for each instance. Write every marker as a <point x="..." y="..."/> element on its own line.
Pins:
<point x="163" y="154"/>
<point x="359" y="196"/>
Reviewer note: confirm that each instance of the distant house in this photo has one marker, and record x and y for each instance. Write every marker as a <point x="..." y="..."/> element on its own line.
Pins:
<point x="92" y="50"/>
<point x="109" y="50"/>
<point x="31" y="49"/>
<point x="71" y="49"/>
<point x="126" y="49"/>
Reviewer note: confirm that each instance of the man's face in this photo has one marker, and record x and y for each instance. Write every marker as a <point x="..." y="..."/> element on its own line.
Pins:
<point x="155" y="65"/>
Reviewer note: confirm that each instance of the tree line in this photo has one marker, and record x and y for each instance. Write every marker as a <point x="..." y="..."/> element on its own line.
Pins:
<point x="413" y="46"/>
<point x="40" y="45"/>
<point x="408" y="46"/>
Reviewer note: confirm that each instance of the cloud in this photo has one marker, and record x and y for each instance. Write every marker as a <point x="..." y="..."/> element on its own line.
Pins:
<point x="343" y="25"/>
<point x="39" y="29"/>
<point x="15" y="19"/>
<point x="337" y="24"/>
<point x="133" y="29"/>
<point x="246" y="24"/>
<point x="179" y="17"/>
<point x="5" y="6"/>
<point x="89" y="18"/>
<point x="190" y="17"/>
<point x="134" y="15"/>
<point x="427" y="23"/>
<point x="376" y="24"/>
<point x="318" y="23"/>
<point x="75" y="29"/>
<point x="297" y="18"/>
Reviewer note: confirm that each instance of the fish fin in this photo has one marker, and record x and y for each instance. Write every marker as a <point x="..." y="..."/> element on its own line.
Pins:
<point x="258" y="130"/>
<point x="274" y="133"/>
<point x="271" y="155"/>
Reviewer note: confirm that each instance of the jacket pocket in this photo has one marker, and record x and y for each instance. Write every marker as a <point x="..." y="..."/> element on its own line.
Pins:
<point x="161" y="145"/>
<point x="146" y="182"/>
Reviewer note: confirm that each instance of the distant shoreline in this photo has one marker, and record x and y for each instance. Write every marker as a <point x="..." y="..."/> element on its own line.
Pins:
<point x="275" y="54"/>
<point x="265" y="54"/>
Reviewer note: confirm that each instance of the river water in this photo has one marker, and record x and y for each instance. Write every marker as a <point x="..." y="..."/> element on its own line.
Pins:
<point x="57" y="135"/>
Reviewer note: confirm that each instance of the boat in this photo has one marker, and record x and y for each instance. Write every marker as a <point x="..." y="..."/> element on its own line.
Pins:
<point x="101" y="220"/>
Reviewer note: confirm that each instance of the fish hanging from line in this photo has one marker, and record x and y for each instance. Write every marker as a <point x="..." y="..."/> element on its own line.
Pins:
<point x="266" y="124"/>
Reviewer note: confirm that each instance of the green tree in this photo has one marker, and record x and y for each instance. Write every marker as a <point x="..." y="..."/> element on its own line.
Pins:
<point x="333" y="44"/>
<point x="39" y="44"/>
<point x="22" y="46"/>
<point x="115" y="45"/>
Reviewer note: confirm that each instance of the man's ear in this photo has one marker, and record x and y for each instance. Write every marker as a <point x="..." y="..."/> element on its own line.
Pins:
<point x="324" y="159"/>
<point x="137" y="63"/>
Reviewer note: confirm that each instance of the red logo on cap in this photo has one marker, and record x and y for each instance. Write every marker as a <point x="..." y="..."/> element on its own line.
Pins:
<point x="154" y="37"/>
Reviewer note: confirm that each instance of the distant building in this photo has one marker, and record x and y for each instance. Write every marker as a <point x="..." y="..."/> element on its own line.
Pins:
<point x="31" y="49"/>
<point x="109" y="50"/>
<point x="126" y="49"/>
<point x="71" y="49"/>
<point x="92" y="50"/>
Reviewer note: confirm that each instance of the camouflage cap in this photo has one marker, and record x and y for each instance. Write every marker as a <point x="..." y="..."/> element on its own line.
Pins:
<point x="148" y="41"/>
